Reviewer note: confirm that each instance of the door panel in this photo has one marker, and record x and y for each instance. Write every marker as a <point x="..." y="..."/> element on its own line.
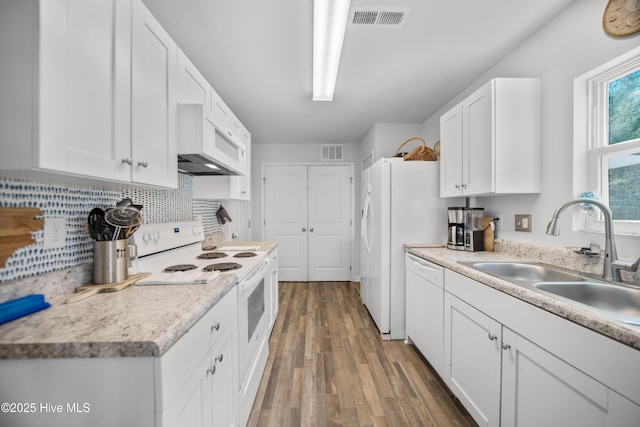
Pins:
<point x="286" y="217"/>
<point x="307" y="210"/>
<point x="329" y="202"/>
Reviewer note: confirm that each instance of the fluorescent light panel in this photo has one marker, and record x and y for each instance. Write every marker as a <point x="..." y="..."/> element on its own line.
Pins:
<point x="329" y="24"/>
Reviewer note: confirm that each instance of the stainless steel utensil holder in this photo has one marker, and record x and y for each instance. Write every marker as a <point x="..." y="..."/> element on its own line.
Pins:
<point x="110" y="261"/>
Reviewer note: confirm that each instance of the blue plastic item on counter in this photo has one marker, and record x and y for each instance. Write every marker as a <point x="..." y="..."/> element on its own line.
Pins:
<point x="20" y="307"/>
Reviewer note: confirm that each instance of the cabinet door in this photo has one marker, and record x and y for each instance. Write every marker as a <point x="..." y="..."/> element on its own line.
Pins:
<point x="192" y="406"/>
<point x="154" y="110"/>
<point x="84" y="85"/>
<point x="223" y="388"/>
<point x="451" y="152"/>
<point x="477" y="140"/>
<point x="240" y="186"/>
<point x="539" y="389"/>
<point x="273" y="288"/>
<point x="472" y="359"/>
<point x="192" y="87"/>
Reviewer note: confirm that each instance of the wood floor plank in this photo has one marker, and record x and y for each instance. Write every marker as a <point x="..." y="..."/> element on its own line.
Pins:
<point x="328" y="367"/>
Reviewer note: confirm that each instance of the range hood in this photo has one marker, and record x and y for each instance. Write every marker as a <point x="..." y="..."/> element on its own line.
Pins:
<point x="202" y="164"/>
<point x="202" y="148"/>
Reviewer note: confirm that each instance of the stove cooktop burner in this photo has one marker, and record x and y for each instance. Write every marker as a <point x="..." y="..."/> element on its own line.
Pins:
<point x="245" y="255"/>
<point x="222" y="266"/>
<point x="212" y="255"/>
<point x="180" y="267"/>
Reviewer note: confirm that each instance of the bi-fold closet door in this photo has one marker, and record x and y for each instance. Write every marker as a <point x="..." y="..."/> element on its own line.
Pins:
<point x="308" y="211"/>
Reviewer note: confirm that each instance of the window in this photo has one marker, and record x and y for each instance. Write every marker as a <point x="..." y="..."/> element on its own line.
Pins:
<point x="612" y="135"/>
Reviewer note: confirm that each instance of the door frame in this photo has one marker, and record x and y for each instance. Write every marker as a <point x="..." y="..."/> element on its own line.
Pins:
<point x="351" y="202"/>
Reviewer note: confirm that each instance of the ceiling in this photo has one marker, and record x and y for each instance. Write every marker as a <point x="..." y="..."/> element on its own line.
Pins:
<point x="257" y="55"/>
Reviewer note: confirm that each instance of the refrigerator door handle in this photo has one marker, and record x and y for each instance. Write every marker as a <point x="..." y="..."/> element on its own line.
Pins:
<point x="363" y="223"/>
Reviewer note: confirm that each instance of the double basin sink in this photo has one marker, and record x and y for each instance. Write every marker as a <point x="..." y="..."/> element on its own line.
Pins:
<point x="618" y="300"/>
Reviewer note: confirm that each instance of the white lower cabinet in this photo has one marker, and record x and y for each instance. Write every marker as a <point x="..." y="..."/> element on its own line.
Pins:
<point x="540" y="389"/>
<point x="512" y="364"/>
<point x="207" y="397"/>
<point x="472" y="359"/>
<point x="272" y="277"/>
<point x="192" y="384"/>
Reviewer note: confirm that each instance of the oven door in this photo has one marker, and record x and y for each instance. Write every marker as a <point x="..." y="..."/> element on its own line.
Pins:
<point x="253" y="322"/>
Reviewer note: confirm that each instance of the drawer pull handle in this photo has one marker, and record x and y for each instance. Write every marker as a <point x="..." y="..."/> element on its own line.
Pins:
<point x="506" y="346"/>
<point x="215" y="327"/>
<point x="492" y="337"/>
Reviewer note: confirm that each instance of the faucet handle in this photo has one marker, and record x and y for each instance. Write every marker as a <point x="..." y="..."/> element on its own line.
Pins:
<point x="625" y="265"/>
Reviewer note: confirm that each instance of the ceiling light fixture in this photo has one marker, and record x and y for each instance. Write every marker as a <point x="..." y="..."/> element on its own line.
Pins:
<point x="329" y="24"/>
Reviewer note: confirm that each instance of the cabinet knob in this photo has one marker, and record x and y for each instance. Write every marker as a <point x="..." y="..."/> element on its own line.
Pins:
<point x="311" y="229"/>
<point x="211" y="370"/>
<point x="127" y="161"/>
<point x="304" y="229"/>
<point x="215" y="327"/>
<point x="457" y="187"/>
<point x="143" y="163"/>
<point x="219" y="357"/>
<point x="492" y="337"/>
<point x="464" y="186"/>
<point x="506" y="346"/>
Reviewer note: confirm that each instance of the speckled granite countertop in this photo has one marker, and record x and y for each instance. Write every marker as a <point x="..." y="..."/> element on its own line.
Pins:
<point x="622" y="332"/>
<point x="139" y="321"/>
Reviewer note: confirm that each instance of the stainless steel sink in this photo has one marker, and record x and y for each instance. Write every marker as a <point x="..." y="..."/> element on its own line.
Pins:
<point x="618" y="300"/>
<point x="531" y="272"/>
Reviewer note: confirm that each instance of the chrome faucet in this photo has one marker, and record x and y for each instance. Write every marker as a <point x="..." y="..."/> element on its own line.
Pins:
<point x="612" y="265"/>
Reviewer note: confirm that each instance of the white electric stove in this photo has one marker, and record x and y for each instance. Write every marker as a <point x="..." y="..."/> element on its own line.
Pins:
<point x="172" y="252"/>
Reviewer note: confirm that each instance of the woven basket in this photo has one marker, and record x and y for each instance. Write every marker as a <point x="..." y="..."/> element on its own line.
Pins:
<point x="422" y="152"/>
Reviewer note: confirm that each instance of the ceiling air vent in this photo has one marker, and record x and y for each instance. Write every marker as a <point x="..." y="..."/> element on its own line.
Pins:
<point x="378" y="17"/>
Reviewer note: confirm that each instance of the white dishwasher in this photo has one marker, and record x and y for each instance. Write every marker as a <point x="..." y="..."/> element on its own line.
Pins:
<point x="425" y="309"/>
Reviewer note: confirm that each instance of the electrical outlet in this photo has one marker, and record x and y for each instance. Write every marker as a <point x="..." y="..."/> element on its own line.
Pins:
<point x="55" y="233"/>
<point x="500" y="222"/>
<point x="523" y="223"/>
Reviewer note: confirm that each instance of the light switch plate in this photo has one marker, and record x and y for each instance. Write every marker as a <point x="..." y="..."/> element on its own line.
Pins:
<point x="523" y="223"/>
<point x="55" y="233"/>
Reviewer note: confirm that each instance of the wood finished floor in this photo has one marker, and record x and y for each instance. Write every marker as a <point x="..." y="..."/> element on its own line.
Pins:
<point x="328" y="367"/>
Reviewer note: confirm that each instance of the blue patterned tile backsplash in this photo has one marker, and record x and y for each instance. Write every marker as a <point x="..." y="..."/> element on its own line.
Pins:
<point x="73" y="203"/>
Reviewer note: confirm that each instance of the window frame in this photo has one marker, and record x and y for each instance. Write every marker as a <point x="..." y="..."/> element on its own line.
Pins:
<point x="591" y="142"/>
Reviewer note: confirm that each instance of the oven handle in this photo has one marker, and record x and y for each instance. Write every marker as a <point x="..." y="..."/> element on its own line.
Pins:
<point x="254" y="278"/>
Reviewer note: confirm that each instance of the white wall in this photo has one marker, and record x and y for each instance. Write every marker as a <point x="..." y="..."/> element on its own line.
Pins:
<point x="569" y="46"/>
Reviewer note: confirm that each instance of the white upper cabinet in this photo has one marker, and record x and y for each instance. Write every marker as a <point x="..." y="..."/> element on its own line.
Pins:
<point x="154" y="109"/>
<point x="80" y="99"/>
<point x="192" y="87"/>
<point x="490" y="142"/>
<point x="66" y="103"/>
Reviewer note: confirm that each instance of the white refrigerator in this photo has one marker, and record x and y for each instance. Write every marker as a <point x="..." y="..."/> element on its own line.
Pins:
<point x="401" y="205"/>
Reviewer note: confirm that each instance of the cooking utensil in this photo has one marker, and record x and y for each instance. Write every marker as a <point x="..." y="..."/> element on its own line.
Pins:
<point x="129" y="231"/>
<point x="122" y="217"/>
<point x="86" y="291"/>
<point x="95" y="217"/>
<point x="124" y="202"/>
<point x="128" y="202"/>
